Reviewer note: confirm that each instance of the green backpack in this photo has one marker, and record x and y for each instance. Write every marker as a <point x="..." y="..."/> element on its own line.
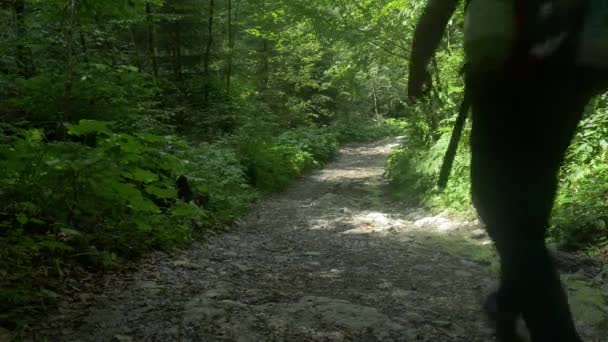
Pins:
<point x="494" y="29"/>
<point x="593" y="49"/>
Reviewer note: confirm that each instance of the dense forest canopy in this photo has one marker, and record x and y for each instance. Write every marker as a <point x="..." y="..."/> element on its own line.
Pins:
<point x="104" y="104"/>
<point x="228" y="61"/>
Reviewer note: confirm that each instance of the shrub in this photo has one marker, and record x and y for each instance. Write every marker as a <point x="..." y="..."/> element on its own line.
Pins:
<point x="272" y="163"/>
<point x="361" y="132"/>
<point x="414" y="170"/>
<point x="580" y="213"/>
<point x="108" y="196"/>
<point x="104" y="196"/>
<point x="216" y="170"/>
<point x="322" y="144"/>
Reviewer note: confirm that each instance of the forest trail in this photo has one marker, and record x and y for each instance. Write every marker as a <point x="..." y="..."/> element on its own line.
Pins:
<point x="333" y="258"/>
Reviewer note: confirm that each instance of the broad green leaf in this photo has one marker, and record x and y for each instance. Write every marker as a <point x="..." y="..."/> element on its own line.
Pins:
<point x="142" y="225"/>
<point x="188" y="210"/>
<point x="22" y="218"/>
<point x="141" y="175"/>
<point x="129" y="193"/>
<point x="147" y="137"/>
<point x="129" y="144"/>
<point x="88" y="127"/>
<point x="70" y="232"/>
<point x="162" y="193"/>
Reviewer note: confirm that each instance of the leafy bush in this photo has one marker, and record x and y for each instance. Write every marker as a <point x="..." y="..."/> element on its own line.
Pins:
<point x="272" y="163"/>
<point x="353" y="132"/>
<point x="580" y="214"/>
<point x="100" y="92"/>
<point x="322" y="144"/>
<point x="110" y="195"/>
<point x="414" y="170"/>
<point x="581" y="210"/>
<point x="216" y="170"/>
<point x="106" y="196"/>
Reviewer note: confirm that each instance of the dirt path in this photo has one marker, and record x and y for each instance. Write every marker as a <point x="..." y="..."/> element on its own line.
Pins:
<point x="331" y="259"/>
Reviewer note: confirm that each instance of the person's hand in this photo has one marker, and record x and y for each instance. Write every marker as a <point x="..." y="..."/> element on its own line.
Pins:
<point x="419" y="85"/>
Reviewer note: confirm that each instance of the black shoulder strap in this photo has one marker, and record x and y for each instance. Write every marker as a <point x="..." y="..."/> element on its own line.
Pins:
<point x="450" y="155"/>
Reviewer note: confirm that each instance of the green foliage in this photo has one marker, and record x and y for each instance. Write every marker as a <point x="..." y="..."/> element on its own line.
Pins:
<point x="91" y="200"/>
<point x="273" y="163"/>
<point x="321" y="144"/>
<point x="580" y="214"/>
<point x="414" y="170"/>
<point x="100" y="92"/>
<point x="68" y="203"/>
<point x="353" y="132"/>
<point x="104" y="104"/>
<point x="106" y="196"/>
<point x="216" y="170"/>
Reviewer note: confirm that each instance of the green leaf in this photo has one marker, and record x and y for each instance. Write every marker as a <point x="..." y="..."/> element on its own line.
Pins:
<point x="70" y="232"/>
<point x="37" y="221"/>
<point x="49" y="294"/>
<point x="161" y="193"/>
<point x="141" y="175"/>
<point x="142" y="225"/>
<point x="88" y="127"/>
<point x="169" y="162"/>
<point x="129" y="193"/>
<point x="22" y="218"/>
<point x="188" y="210"/>
<point x="147" y="137"/>
<point x="130" y="145"/>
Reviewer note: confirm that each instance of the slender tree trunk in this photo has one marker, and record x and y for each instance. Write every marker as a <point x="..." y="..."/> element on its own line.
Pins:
<point x="207" y="58"/>
<point x="374" y="95"/>
<point x="265" y="64"/>
<point x="24" y="58"/>
<point x="178" y="50"/>
<point x="151" y="40"/>
<point x="83" y="47"/>
<point x="437" y="83"/>
<point x="231" y="42"/>
<point x="69" y="77"/>
<point x="135" y="49"/>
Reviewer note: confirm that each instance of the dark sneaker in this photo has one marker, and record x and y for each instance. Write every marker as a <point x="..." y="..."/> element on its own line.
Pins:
<point x="509" y="327"/>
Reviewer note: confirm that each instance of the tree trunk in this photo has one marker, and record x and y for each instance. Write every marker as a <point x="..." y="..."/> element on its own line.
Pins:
<point x="207" y="60"/>
<point x="178" y="50"/>
<point x="231" y="42"/>
<point x="24" y="58"/>
<point x="151" y="40"/>
<point x="69" y="77"/>
<point x="135" y="49"/>
<point x="378" y="116"/>
<point x="175" y="48"/>
<point x="265" y="64"/>
<point x="83" y="47"/>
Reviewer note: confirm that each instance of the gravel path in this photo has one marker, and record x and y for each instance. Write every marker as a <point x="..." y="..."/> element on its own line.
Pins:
<point x="333" y="258"/>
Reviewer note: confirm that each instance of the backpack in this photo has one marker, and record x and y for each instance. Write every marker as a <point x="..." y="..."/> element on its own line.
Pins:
<point x="498" y="30"/>
<point x="593" y="48"/>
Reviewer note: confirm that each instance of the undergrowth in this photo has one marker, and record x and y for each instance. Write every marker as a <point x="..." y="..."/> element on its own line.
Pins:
<point x="580" y="214"/>
<point x="104" y="196"/>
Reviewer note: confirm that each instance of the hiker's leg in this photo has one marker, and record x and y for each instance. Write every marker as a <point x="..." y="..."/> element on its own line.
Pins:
<point x="518" y="141"/>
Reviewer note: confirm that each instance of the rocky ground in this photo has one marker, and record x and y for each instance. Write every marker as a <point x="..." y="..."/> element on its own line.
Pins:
<point x="333" y="258"/>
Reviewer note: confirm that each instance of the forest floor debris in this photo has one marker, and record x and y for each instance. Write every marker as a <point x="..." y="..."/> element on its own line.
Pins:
<point x="333" y="258"/>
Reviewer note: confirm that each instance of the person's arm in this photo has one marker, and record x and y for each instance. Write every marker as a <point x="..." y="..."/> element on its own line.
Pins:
<point x="427" y="37"/>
